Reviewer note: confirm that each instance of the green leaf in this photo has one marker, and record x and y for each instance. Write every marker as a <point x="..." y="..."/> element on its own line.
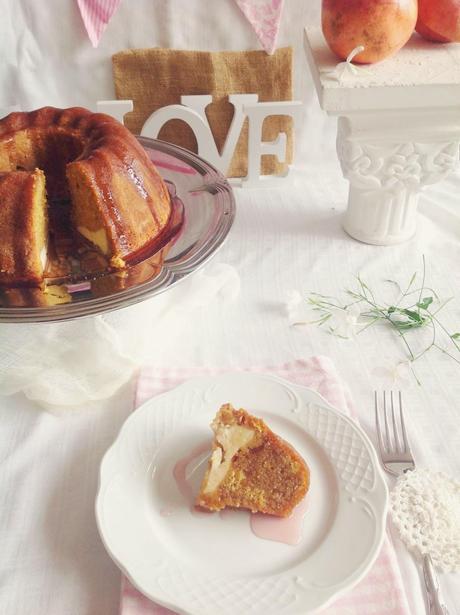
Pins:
<point x="405" y="319"/>
<point x="455" y="336"/>
<point x="425" y="302"/>
<point x="391" y="309"/>
<point x="415" y="316"/>
<point x="406" y="326"/>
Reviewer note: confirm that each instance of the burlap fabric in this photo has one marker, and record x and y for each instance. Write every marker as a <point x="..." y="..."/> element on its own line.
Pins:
<point x="154" y="78"/>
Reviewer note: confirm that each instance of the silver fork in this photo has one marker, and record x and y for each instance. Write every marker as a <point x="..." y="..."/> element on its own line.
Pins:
<point x="397" y="459"/>
<point x="393" y="443"/>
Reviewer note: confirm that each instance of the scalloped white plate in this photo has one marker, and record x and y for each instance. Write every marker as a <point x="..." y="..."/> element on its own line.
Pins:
<point x="209" y="564"/>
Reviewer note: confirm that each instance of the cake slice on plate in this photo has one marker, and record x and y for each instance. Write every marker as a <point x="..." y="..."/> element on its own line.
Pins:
<point x="251" y="467"/>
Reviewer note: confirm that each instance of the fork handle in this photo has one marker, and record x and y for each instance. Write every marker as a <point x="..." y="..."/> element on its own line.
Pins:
<point x="435" y="604"/>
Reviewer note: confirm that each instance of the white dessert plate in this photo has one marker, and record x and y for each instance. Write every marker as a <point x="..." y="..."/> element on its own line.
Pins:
<point x="209" y="564"/>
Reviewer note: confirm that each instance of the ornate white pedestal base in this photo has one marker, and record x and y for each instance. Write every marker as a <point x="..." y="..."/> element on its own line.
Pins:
<point x="398" y="131"/>
<point x="387" y="169"/>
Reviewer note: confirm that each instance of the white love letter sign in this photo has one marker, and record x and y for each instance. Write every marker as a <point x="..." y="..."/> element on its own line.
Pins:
<point x="116" y="108"/>
<point x="192" y="110"/>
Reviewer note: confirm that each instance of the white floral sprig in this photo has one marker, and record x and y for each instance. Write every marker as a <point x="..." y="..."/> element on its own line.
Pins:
<point x="394" y="375"/>
<point x="417" y="307"/>
<point x="345" y="70"/>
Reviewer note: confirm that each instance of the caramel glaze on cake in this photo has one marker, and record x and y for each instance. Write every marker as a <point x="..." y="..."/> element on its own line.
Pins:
<point x="251" y="467"/>
<point x="119" y="202"/>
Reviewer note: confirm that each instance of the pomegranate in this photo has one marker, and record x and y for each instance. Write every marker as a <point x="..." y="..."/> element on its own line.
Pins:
<point x="382" y="27"/>
<point x="439" y="20"/>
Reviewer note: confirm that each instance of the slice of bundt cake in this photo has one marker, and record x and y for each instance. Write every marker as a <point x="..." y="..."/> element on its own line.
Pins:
<point x="251" y="467"/>
<point x="23" y="227"/>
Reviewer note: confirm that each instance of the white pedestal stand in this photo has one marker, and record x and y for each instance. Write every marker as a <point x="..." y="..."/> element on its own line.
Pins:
<point x="398" y="130"/>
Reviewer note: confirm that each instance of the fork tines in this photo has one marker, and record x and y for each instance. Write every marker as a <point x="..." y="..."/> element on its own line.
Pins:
<point x="392" y="439"/>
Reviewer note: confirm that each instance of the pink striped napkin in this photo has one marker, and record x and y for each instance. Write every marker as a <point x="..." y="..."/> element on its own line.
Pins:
<point x="381" y="592"/>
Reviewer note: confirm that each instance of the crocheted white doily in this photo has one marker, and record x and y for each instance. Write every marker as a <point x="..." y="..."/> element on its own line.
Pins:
<point x="425" y="507"/>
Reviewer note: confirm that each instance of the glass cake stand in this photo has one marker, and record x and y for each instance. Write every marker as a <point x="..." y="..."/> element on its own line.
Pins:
<point x="202" y="198"/>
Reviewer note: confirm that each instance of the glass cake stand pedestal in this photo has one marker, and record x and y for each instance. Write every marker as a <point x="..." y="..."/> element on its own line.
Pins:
<point x="398" y="130"/>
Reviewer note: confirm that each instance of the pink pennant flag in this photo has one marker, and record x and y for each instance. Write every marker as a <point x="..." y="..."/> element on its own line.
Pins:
<point x="96" y="15"/>
<point x="264" y="17"/>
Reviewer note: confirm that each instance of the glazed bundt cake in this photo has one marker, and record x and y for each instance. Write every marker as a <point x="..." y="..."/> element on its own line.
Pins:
<point x="251" y="467"/>
<point x="119" y="203"/>
<point x="23" y="226"/>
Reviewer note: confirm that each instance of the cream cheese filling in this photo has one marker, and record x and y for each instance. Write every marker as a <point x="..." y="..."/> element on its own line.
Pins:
<point x="231" y="438"/>
<point x="99" y="238"/>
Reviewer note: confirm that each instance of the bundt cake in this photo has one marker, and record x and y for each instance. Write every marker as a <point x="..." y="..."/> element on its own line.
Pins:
<point x="118" y="201"/>
<point x="23" y="226"/>
<point x="251" y="467"/>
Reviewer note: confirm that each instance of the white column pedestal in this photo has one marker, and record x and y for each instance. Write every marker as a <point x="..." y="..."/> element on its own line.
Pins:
<point x="389" y="159"/>
<point x="398" y="131"/>
<point x="381" y="219"/>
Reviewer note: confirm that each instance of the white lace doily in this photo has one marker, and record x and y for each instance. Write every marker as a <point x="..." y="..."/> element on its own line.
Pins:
<point x="425" y="507"/>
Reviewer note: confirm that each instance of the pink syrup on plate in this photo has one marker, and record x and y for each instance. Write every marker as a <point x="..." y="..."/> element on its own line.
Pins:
<point x="287" y="530"/>
<point x="268" y="527"/>
<point x="182" y="473"/>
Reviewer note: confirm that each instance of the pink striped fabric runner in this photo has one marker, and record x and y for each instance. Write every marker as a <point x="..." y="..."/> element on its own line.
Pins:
<point x="381" y="592"/>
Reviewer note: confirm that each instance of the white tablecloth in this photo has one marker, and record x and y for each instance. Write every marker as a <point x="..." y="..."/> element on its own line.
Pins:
<point x="52" y="561"/>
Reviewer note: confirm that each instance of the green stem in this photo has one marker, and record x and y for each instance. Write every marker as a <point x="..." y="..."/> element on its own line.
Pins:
<point x="443" y="305"/>
<point x="444" y="351"/>
<point x="321" y="303"/>
<point x="433" y="340"/>
<point x="423" y="280"/>
<point x="381" y="311"/>
<point x="415" y="376"/>
<point x="406" y="292"/>
<point x="369" y="324"/>
<point x="446" y="332"/>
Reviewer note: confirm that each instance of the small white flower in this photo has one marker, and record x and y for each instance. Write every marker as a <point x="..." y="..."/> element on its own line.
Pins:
<point x="300" y="311"/>
<point x="295" y="307"/>
<point x="345" y="322"/>
<point x="394" y="374"/>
